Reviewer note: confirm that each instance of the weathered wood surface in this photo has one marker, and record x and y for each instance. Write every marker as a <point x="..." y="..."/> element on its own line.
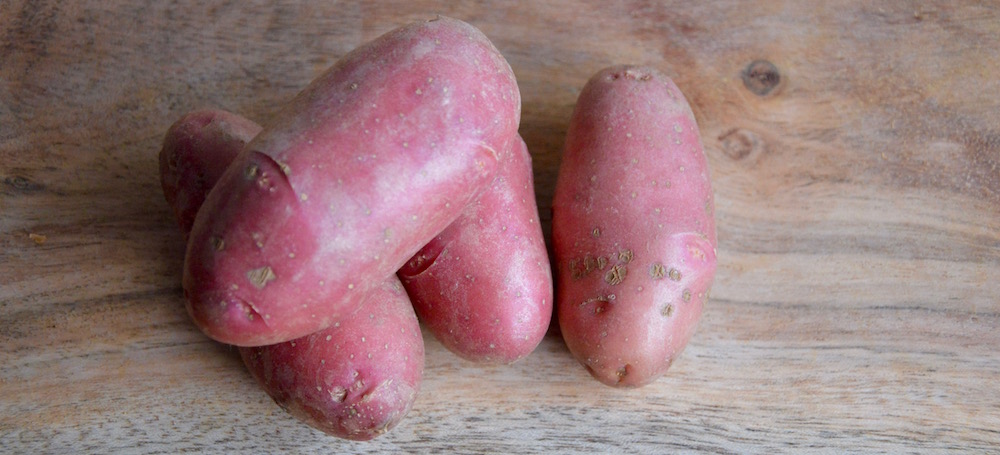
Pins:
<point x="857" y="181"/>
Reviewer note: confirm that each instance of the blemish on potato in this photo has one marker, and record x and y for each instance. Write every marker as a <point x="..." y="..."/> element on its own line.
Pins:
<point x="251" y="171"/>
<point x="675" y="275"/>
<point x="625" y="256"/>
<point x="616" y="275"/>
<point x="696" y="252"/>
<point x="657" y="271"/>
<point x="668" y="310"/>
<point x="303" y="197"/>
<point x="338" y="394"/>
<point x="601" y="262"/>
<point x="596" y="232"/>
<point x="260" y="277"/>
<point x="623" y="372"/>
<point x="249" y="309"/>
<point x="217" y="243"/>
<point x="686" y="295"/>
<point x="574" y="271"/>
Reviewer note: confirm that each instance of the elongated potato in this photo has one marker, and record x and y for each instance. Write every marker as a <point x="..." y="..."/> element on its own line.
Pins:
<point x="483" y="286"/>
<point x="356" y="379"/>
<point x="364" y="167"/>
<point x="633" y="227"/>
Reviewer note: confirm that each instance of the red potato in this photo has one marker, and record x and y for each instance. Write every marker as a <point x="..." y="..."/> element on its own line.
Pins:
<point x="356" y="379"/>
<point x="483" y="286"/>
<point x="633" y="227"/>
<point x="364" y="167"/>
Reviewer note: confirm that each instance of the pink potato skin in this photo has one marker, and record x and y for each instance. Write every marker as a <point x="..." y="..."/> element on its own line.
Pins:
<point x="365" y="166"/>
<point x="356" y="379"/>
<point x="196" y="151"/>
<point x="633" y="227"/>
<point x="483" y="286"/>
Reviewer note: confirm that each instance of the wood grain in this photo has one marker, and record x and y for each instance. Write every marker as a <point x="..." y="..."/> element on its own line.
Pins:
<point x="856" y="308"/>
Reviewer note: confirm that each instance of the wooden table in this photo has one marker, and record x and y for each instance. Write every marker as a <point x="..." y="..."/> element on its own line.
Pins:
<point x="857" y="183"/>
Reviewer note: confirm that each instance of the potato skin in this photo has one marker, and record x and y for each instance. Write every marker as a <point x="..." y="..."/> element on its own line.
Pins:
<point x="633" y="227"/>
<point x="196" y="151"/>
<point x="356" y="379"/>
<point x="364" y="167"/>
<point x="483" y="286"/>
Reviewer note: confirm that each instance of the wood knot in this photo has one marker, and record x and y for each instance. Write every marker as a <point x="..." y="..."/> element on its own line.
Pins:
<point x="761" y="77"/>
<point x="740" y="144"/>
<point x="20" y="185"/>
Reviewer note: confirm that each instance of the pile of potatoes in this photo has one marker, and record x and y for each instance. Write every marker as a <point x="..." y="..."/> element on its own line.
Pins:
<point x="394" y="190"/>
